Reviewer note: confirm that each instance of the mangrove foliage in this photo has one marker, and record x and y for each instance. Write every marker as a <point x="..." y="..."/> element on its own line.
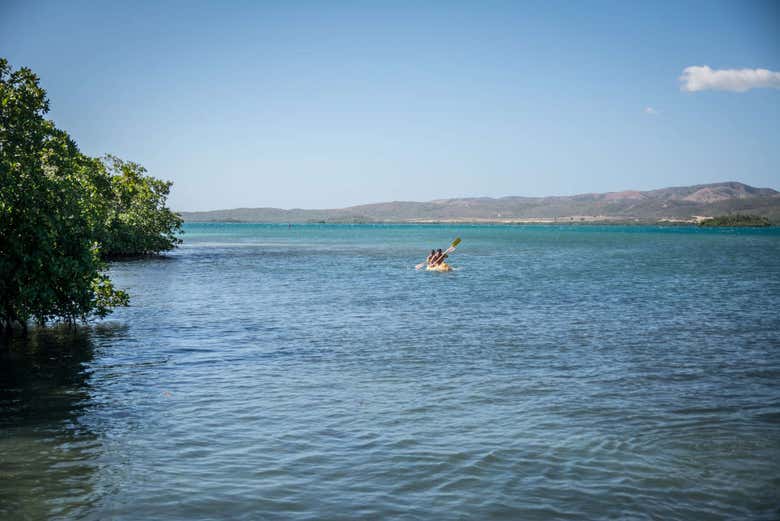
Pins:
<point x="63" y="214"/>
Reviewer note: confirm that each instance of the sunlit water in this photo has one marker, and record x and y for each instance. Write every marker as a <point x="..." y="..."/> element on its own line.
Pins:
<point x="309" y="372"/>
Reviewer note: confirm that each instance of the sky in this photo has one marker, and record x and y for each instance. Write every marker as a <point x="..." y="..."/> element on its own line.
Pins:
<point x="329" y="104"/>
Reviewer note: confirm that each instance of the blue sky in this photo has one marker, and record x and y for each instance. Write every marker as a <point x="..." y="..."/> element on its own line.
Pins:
<point x="329" y="104"/>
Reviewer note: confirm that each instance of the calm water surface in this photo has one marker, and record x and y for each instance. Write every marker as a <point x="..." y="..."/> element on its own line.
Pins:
<point x="267" y="372"/>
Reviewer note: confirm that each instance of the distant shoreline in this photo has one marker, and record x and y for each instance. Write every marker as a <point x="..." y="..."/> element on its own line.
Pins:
<point x="540" y="220"/>
<point x="561" y="222"/>
<point x="674" y="205"/>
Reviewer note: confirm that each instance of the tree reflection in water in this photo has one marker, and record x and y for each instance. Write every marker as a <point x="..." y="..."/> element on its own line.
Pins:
<point x="49" y="453"/>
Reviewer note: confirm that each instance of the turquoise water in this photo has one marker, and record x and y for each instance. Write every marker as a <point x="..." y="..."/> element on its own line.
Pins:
<point x="309" y="372"/>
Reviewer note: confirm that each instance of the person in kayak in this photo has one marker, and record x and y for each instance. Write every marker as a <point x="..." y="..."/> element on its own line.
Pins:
<point x="430" y="257"/>
<point x="438" y="258"/>
<point x="434" y="257"/>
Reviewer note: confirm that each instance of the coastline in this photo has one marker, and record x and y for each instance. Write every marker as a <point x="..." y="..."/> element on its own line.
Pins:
<point x="575" y="220"/>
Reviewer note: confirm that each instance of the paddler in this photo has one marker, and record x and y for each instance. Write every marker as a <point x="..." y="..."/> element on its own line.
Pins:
<point x="437" y="258"/>
<point x="430" y="257"/>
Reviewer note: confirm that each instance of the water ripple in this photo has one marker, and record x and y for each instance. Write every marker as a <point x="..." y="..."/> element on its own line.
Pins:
<point x="310" y="373"/>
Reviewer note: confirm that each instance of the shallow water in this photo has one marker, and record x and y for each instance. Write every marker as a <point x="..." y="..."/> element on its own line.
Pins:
<point x="308" y="372"/>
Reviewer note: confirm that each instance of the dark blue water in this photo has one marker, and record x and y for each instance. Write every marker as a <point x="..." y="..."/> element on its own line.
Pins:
<point x="309" y="372"/>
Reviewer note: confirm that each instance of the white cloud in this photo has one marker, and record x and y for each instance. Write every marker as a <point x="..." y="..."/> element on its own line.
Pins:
<point x="701" y="77"/>
<point x="651" y="111"/>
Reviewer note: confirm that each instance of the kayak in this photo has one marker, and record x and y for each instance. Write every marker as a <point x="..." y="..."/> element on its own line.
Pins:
<point x="443" y="266"/>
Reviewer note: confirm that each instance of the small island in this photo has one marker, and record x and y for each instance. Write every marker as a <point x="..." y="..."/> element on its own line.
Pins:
<point x="741" y="220"/>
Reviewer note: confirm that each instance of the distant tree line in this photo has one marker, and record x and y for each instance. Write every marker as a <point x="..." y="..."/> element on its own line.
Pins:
<point x="64" y="214"/>
<point x="736" y="220"/>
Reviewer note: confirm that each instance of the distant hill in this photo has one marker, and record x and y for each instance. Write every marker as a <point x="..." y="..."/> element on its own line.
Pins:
<point x="676" y="204"/>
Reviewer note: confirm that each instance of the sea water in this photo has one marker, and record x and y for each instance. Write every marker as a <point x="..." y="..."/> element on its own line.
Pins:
<point x="309" y="372"/>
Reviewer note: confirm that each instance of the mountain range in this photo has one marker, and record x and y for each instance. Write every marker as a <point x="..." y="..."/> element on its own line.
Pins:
<point x="674" y="204"/>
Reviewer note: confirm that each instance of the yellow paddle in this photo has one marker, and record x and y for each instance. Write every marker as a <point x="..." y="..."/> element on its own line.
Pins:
<point x="448" y="250"/>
